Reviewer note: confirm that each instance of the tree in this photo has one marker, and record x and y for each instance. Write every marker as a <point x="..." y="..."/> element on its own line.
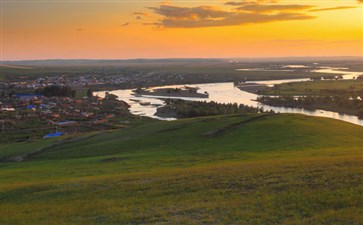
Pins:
<point x="90" y="93"/>
<point x="56" y="90"/>
<point x="111" y="96"/>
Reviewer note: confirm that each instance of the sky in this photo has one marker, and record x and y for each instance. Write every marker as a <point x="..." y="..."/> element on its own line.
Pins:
<point x="123" y="29"/>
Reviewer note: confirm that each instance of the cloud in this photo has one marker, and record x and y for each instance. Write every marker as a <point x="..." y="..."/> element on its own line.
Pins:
<point x="79" y="29"/>
<point x="240" y="3"/>
<point x="199" y="12"/>
<point x="234" y="3"/>
<point x="236" y="19"/>
<point x="208" y="16"/>
<point x="333" y="8"/>
<point x="141" y="13"/>
<point x="271" y="8"/>
<point x="231" y="3"/>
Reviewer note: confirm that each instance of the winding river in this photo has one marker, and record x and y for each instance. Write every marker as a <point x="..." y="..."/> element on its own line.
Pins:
<point x="227" y="93"/>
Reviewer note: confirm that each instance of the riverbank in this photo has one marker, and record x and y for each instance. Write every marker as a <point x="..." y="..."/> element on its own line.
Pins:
<point x="166" y="111"/>
<point x="340" y="105"/>
<point x="253" y="88"/>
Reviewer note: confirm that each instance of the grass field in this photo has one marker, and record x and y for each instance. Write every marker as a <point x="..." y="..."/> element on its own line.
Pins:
<point x="321" y="88"/>
<point x="237" y="169"/>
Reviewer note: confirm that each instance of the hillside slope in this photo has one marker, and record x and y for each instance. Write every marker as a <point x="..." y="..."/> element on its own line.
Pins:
<point x="255" y="169"/>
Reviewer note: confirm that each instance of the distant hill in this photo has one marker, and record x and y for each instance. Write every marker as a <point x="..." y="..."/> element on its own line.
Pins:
<point x="88" y="62"/>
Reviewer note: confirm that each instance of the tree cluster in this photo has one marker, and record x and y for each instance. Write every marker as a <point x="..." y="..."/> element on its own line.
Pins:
<point x="195" y="109"/>
<point x="56" y="91"/>
<point x="340" y="103"/>
<point x="110" y="104"/>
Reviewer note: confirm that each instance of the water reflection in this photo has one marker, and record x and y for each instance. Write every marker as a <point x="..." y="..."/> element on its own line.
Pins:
<point x="347" y="75"/>
<point x="227" y="93"/>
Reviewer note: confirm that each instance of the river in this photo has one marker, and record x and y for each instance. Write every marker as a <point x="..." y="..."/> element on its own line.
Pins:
<point x="227" y="93"/>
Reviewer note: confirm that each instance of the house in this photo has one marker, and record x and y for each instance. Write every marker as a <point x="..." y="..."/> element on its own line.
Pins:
<point x="88" y="114"/>
<point x="51" y="135"/>
<point x="54" y="115"/>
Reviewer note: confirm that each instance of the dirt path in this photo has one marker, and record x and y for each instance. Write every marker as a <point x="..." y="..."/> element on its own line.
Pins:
<point x="24" y="157"/>
<point x="223" y="130"/>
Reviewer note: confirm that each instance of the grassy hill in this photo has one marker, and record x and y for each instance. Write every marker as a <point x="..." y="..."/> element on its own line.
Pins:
<point x="251" y="169"/>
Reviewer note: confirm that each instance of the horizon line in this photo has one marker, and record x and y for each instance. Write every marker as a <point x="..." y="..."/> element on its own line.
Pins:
<point x="179" y="58"/>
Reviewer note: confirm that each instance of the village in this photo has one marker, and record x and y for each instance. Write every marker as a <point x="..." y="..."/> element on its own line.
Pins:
<point x="118" y="79"/>
<point x="28" y="116"/>
<point x="72" y="81"/>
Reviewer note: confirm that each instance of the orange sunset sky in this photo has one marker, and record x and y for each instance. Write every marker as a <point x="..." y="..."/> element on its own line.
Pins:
<point x="118" y="29"/>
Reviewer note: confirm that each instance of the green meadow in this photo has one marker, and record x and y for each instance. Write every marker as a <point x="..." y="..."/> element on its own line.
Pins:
<point x="234" y="169"/>
<point x="321" y="88"/>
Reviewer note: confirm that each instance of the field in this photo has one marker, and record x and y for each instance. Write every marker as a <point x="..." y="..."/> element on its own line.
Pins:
<point x="192" y="70"/>
<point x="321" y="88"/>
<point x="236" y="169"/>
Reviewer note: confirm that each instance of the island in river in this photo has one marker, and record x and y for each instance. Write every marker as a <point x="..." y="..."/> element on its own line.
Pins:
<point x="185" y="92"/>
<point x="342" y="96"/>
<point x="254" y="88"/>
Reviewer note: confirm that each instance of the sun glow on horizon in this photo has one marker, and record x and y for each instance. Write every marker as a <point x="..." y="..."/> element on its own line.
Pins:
<point x="179" y="29"/>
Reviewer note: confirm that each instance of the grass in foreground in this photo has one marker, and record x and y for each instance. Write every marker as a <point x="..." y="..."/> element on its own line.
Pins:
<point x="277" y="169"/>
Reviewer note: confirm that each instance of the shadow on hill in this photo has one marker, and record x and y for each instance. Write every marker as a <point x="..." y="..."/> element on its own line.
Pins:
<point x="223" y="130"/>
